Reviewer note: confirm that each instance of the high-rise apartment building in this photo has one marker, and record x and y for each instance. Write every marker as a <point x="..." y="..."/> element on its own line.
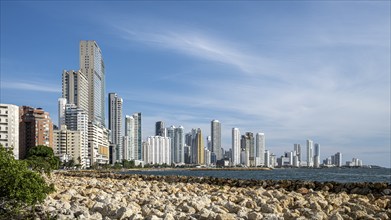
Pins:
<point x="267" y="159"/>
<point x="310" y="153"/>
<point x="247" y="145"/>
<point x="35" y="128"/>
<point x="67" y="145"/>
<point x="134" y="145"/>
<point x="9" y="127"/>
<point x="75" y="89"/>
<point x="76" y="119"/>
<point x="338" y="159"/>
<point x="177" y="137"/>
<point x="115" y="124"/>
<point x="236" y="150"/>
<point x="199" y="144"/>
<point x="98" y="142"/>
<point x="129" y="147"/>
<point x="159" y="129"/>
<point x="297" y="149"/>
<point x="92" y="65"/>
<point x="216" y="139"/>
<point x="61" y="111"/>
<point x="157" y="150"/>
<point x="316" y="155"/>
<point x="260" y="149"/>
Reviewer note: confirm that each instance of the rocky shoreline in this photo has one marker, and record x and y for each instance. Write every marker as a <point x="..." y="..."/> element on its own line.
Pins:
<point x="98" y="195"/>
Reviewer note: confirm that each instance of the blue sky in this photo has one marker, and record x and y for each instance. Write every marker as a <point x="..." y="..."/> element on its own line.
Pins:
<point x="294" y="70"/>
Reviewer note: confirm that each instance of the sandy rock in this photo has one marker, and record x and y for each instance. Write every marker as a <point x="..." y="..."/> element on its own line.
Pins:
<point x="232" y="207"/>
<point x="206" y="214"/>
<point x="267" y="208"/>
<point x="96" y="215"/>
<point x="303" y="191"/>
<point x="123" y="212"/>
<point x="254" y="216"/>
<point x="225" y="216"/>
<point x="336" y="216"/>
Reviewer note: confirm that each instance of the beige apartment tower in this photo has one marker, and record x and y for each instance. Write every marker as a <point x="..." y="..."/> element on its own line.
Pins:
<point x="75" y="88"/>
<point x="67" y="145"/>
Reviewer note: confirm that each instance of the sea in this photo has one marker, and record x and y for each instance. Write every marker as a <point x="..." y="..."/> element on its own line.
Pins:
<point x="343" y="175"/>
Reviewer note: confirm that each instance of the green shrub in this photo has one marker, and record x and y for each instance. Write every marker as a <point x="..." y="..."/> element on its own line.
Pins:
<point x="41" y="158"/>
<point x="19" y="186"/>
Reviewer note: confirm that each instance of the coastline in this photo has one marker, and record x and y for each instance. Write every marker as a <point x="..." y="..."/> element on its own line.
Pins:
<point x="106" y="195"/>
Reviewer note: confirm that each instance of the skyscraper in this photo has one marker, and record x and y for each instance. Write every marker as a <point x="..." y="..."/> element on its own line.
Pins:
<point x="170" y="134"/>
<point x="76" y="119"/>
<point x="115" y="124"/>
<point x="9" y="127"/>
<point x="338" y="159"/>
<point x="92" y="65"/>
<point x="216" y="139"/>
<point x="61" y="111"/>
<point x="75" y="89"/>
<point x="316" y="155"/>
<point x="159" y="128"/>
<point x="247" y="145"/>
<point x="129" y="147"/>
<point x="133" y="131"/>
<point x="199" y="143"/>
<point x="310" y="153"/>
<point x="259" y="149"/>
<point x="297" y="148"/>
<point x="98" y="142"/>
<point x="235" y="146"/>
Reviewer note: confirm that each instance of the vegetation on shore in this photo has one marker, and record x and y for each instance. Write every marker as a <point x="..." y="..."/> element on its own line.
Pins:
<point x="22" y="184"/>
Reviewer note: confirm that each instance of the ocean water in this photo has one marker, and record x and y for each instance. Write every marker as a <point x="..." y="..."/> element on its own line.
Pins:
<point x="321" y="175"/>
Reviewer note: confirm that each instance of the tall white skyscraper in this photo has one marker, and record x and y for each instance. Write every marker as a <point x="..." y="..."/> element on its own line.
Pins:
<point x="267" y="159"/>
<point x="310" y="156"/>
<point x="236" y="150"/>
<point x="297" y="149"/>
<point x="115" y="124"/>
<point x="61" y="111"/>
<point x="9" y="127"/>
<point x="134" y="145"/>
<point x="316" y="155"/>
<point x="92" y="65"/>
<point x="338" y="159"/>
<point x="259" y="149"/>
<point x="216" y="139"/>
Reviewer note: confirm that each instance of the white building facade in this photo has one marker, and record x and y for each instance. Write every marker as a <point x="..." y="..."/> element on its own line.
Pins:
<point x="98" y="142"/>
<point x="157" y="150"/>
<point x="310" y="155"/>
<point x="115" y="125"/>
<point x="236" y="150"/>
<point x="260" y="149"/>
<point x="9" y="127"/>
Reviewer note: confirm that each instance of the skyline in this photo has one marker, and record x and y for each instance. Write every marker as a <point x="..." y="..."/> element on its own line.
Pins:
<point x="291" y="70"/>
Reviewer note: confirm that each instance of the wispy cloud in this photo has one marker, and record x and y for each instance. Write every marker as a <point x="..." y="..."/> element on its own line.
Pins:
<point x="31" y="86"/>
<point x="195" y="43"/>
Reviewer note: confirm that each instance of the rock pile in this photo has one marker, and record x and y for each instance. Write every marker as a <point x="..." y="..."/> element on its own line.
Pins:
<point x="94" y="196"/>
